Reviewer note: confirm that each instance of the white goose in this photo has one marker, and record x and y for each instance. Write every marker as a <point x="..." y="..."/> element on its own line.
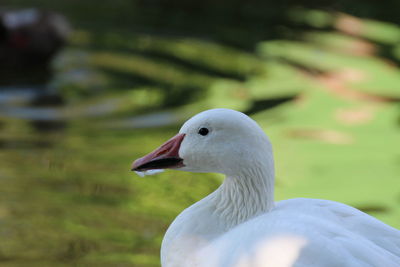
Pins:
<point x="240" y="225"/>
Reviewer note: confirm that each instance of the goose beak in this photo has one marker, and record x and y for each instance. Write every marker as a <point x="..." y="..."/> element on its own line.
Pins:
<point x="164" y="157"/>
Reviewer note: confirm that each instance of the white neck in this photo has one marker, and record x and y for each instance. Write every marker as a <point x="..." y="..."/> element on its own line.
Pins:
<point x="245" y="196"/>
<point x="238" y="199"/>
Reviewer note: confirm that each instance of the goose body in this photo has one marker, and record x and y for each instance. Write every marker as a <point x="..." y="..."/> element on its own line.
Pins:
<point x="240" y="225"/>
<point x="296" y="232"/>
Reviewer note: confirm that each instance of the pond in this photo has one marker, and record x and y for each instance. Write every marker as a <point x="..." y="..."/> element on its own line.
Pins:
<point x="68" y="196"/>
<point x="328" y="100"/>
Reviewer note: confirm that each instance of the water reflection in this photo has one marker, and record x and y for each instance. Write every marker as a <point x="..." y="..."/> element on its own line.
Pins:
<point x="67" y="139"/>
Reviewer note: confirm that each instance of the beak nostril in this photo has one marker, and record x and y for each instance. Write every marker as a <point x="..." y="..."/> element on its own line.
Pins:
<point x="164" y="151"/>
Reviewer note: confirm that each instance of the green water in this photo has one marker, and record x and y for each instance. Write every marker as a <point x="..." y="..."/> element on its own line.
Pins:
<point x="68" y="197"/>
<point x="328" y="99"/>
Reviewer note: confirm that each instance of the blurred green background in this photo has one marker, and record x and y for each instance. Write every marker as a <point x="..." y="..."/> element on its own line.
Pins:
<point x="321" y="77"/>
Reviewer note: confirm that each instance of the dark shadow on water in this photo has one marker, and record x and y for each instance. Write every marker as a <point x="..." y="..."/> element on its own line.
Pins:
<point x="373" y="208"/>
<point x="190" y="65"/>
<point x="125" y="80"/>
<point x="260" y="105"/>
<point x="303" y="67"/>
<point x="48" y="100"/>
<point x="22" y="76"/>
<point x="48" y="126"/>
<point x="24" y="144"/>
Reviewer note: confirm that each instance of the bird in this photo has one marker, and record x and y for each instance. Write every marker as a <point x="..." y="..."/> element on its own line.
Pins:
<point x="240" y="224"/>
<point x="29" y="40"/>
<point x="31" y="36"/>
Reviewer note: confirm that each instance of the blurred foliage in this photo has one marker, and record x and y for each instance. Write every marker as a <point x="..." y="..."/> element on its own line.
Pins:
<point x="322" y="83"/>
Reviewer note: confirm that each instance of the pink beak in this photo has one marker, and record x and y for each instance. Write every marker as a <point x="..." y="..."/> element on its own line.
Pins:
<point x="164" y="157"/>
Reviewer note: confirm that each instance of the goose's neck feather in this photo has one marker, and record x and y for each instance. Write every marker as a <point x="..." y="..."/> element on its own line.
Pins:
<point x="244" y="196"/>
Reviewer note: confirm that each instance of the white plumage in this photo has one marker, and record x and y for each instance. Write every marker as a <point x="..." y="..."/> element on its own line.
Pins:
<point x="240" y="225"/>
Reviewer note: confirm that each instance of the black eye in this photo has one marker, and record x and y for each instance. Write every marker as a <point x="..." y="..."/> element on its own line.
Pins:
<point x="203" y="131"/>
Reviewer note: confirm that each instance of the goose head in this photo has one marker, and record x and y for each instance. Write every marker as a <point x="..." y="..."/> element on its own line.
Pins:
<point x="218" y="140"/>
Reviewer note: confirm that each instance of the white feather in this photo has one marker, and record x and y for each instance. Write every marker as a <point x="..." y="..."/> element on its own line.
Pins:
<point x="240" y="225"/>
